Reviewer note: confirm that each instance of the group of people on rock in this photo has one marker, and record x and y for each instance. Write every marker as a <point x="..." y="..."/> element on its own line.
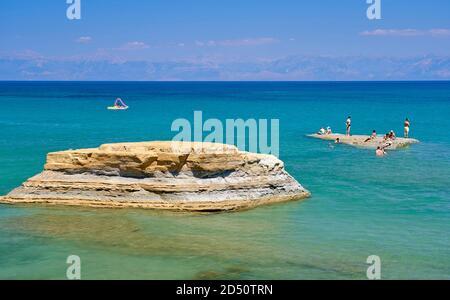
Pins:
<point x="387" y="138"/>
<point x="324" y="131"/>
<point x="348" y="126"/>
<point x="390" y="135"/>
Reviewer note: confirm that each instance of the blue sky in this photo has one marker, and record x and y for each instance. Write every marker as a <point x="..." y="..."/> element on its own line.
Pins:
<point x="221" y="31"/>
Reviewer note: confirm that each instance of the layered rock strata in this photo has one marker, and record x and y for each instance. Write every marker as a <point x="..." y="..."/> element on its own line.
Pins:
<point x="160" y="175"/>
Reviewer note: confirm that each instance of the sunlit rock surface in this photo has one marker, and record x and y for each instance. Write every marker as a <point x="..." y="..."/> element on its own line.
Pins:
<point x="160" y="175"/>
<point x="363" y="142"/>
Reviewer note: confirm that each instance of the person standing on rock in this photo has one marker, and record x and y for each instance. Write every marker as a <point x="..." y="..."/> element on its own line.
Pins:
<point x="348" y="124"/>
<point x="406" y="127"/>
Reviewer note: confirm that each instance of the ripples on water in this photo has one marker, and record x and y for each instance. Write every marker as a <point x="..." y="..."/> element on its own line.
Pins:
<point x="396" y="207"/>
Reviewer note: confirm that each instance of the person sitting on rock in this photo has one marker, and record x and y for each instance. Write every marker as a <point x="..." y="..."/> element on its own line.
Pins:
<point x="372" y="136"/>
<point x="392" y="135"/>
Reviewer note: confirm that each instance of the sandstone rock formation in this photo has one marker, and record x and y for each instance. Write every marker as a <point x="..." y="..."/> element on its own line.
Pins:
<point x="160" y="175"/>
<point x="360" y="141"/>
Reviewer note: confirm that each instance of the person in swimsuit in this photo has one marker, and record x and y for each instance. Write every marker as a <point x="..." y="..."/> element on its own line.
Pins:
<point x="392" y="135"/>
<point x="406" y="128"/>
<point x="348" y="124"/>
<point x="380" y="151"/>
<point x="372" y="136"/>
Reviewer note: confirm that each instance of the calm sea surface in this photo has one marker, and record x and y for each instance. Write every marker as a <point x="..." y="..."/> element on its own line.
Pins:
<point x="397" y="207"/>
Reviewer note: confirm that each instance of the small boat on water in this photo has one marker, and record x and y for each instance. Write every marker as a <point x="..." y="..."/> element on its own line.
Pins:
<point x="118" y="105"/>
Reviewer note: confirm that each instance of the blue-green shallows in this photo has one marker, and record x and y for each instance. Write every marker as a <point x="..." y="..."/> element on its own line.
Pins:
<point x="397" y="207"/>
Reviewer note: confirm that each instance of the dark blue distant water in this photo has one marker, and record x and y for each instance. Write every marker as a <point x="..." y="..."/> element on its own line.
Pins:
<point x="397" y="207"/>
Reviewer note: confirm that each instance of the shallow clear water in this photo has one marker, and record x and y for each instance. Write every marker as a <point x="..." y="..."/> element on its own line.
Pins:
<point x="397" y="207"/>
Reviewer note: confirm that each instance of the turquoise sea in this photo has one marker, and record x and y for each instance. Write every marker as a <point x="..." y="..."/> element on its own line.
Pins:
<point x="396" y="207"/>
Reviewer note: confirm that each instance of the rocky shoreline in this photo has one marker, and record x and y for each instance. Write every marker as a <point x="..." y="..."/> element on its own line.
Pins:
<point x="160" y="175"/>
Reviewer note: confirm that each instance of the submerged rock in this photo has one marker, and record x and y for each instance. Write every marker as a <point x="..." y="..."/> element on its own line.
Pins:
<point x="360" y="141"/>
<point x="160" y="175"/>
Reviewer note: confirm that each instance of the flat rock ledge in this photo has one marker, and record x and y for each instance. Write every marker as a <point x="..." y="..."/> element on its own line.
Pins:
<point x="160" y="175"/>
<point x="360" y="141"/>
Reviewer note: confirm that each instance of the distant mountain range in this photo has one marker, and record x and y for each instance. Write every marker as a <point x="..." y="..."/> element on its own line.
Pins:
<point x="287" y="68"/>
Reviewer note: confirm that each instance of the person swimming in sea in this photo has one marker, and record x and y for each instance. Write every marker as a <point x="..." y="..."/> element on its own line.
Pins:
<point x="380" y="151"/>
<point x="406" y="125"/>
<point x="337" y="141"/>
<point x="348" y="125"/>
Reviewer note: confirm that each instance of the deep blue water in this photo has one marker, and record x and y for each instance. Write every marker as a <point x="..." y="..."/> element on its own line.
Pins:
<point x="397" y="207"/>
